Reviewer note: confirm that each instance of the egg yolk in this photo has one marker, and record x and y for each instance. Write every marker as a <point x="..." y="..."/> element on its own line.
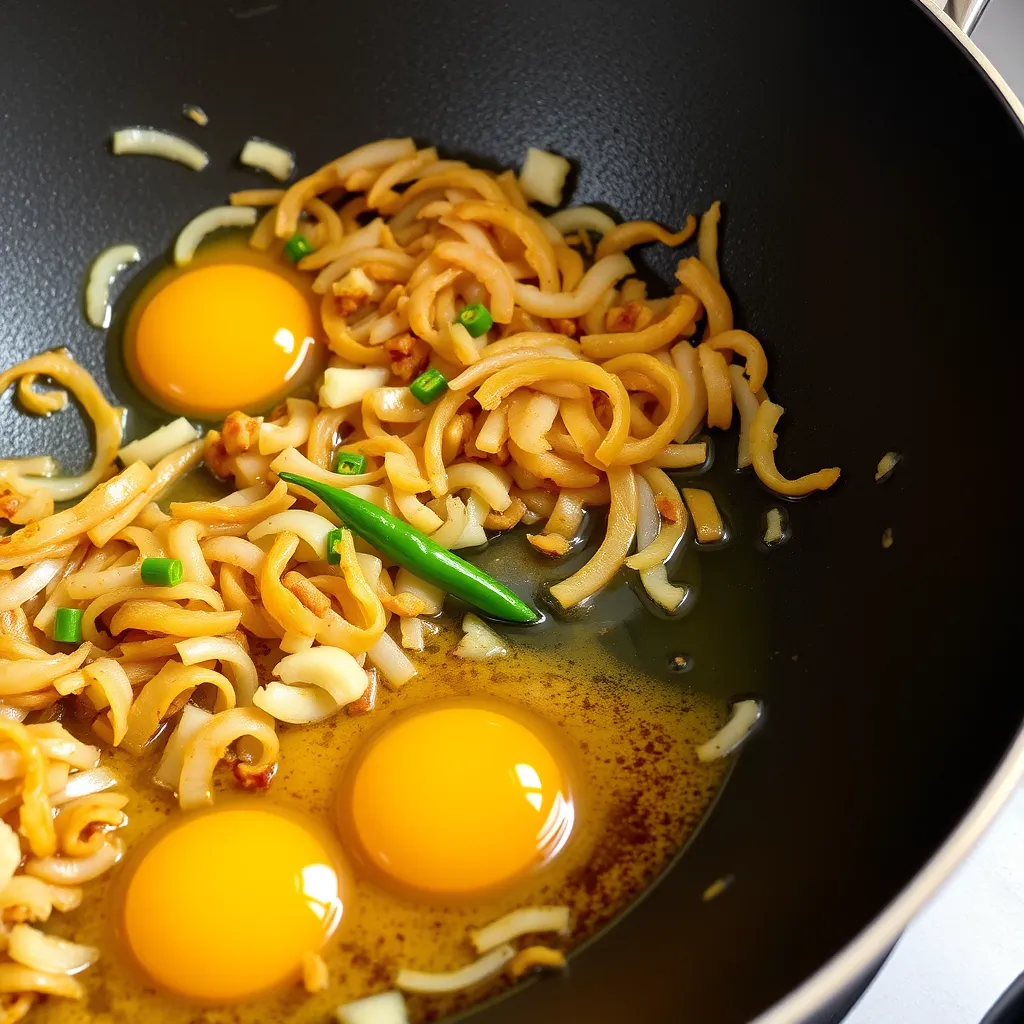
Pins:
<point x="224" y="904"/>
<point x="458" y="800"/>
<point x="221" y="337"/>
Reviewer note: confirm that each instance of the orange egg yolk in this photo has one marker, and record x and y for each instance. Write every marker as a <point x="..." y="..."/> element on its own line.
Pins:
<point x="225" y="904"/>
<point x="457" y="800"/>
<point x="221" y="337"/>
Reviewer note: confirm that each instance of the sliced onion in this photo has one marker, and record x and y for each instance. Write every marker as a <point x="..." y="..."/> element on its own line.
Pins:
<point x="480" y="970"/>
<point x="210" y="743"/>
<point x="543" y="176"/>
<point x="206" y="223"/>
<point x="19" y="978"/>
<point x="87" y="783"/>
<point x="31" y="947"/>
<point x="431" y="596"/>
<point x="480" y="642"/>
<point x="228" y="652"/>
<point x="412" y="633"/>
<point x="149" y="142"/>
<point x="745" y="714"/>
<point x="159" y="444"/>
<point x="307" y="526"/>
<point x="31" y="582"/>
<point x="102" y="274"/>
<point x="75" y="870"/>
<point x="655" y="579"/>
<point x="394" y="666"/>
<point x="10" y="853"/>
<point x="525" y="921"/>
<point x="57" y="744"/>
<point x="13" y="714"/>
<point x="296" y="705"/>
<point x="31" y="894"/>
<point x="383" y="1008"/>
<point x="582" y="218"/>
<point x="314" y="684"/>
<point x="473" y="534"/>
<point x="265" y="156"/>
<point x="168" y="772"/>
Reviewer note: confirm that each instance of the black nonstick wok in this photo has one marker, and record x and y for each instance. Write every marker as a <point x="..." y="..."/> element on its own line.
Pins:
<point x="873" y="185"/>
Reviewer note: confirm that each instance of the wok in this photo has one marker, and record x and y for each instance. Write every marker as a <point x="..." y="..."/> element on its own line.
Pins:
<point x="871" y="177"/>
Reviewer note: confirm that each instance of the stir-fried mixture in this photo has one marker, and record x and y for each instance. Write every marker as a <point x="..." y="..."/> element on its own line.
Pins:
<point x="450" y="364"/>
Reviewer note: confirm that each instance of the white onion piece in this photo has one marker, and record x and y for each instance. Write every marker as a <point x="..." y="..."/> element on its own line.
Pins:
<point x="31" y="582"/>
<point x="648" y="524"/>
<point x="228" y="652"/>
<point x="307" y="526"/>
<point x="314" y="684"/>
<point x="168" y="772"/>
<point x="33" y="895"/>
<point x="102" y="274"/>
<point x="13" y="714"/>
<point x="10" y="853"/>
<point x="31" y="947"/>
<point x="394" y="666"/>
<point x="473" y="534"/>
<point x="206" y="223"/>
<point x="581" y="218"/>
<point x="543" y="176"/>
<point x="159" y="444"/>
<point x="343" y="387"/>
<point x="265" y="156"/>
<point x="480" y="970"/>
<point x="480" y="642"/>
<point x="383" y="1008"/>
<point x="525" y="921"/>
<point x="431" y="596"/>
<point x="745" y="714"/>
<point x="87" y="783"/>
<point x="149" y="142"/>
<point x="75" y="870"/>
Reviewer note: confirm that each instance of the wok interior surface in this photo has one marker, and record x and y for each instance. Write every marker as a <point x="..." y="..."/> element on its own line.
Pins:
<point x="871" y="185"/>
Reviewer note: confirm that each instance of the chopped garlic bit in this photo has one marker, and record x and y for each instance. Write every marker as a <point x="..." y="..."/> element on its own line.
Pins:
<point x="535" y="958"/>
<point x="775" y="527"/>
<point x="554" y="545"/>
<point x="196" y="114"/>
<point x="887" y="538"/>
<point x="480" y="642"/>
<point x="543" y="176"/>
<point x="716" y="888"/>
<point x="886" y="464"/>
<point x="353" y="291"/>
<point x="265" y="156"/>
<point x="150" y="142"/>
<point x="315" y="976"/>
<point x="745" y="714"/>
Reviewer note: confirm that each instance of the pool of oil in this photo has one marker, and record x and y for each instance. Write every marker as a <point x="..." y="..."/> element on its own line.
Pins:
<point x="642" y="794"/>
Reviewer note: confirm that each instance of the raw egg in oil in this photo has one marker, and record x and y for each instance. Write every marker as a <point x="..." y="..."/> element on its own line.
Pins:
<point x="458" y="798"/>
<point x="224" y="904"/>
<point x="234" y="329"/>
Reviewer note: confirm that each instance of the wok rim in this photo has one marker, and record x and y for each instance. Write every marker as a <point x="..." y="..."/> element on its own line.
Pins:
<point x="855" y="960"/>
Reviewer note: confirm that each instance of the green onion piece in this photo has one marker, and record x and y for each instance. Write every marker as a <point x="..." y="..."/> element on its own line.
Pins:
<point x="67" y="626"/>
<point x="476" y="319"/>
<point x="333" y="547"/>
<point x="350" y="463"/>
<point x="296" y="247"/>
<point x="430" y="384"/>
<point x="162" y="572"/>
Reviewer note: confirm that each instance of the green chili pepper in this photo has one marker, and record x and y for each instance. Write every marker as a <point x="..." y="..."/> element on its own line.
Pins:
<point x="333" y="543"/>
<point x="162" y="572"/>
<point x="418" y="553"/>
<point x="476" y="319"/>
<point x="350" y="463"/>
<point x="430" y="384"/>
<point x="67" y="626"/>
<point x="296" y="247"/>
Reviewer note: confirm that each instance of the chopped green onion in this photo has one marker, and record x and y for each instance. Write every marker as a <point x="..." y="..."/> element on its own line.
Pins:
<point x="296" y="247"/>
<point x="430" y="384"/>
<point x="162" y="572"/>
<point x="333" y="545"/>
<point x="476" y="319"/>
<point x="67" y="626"/>
<point x="350" y="463"/>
